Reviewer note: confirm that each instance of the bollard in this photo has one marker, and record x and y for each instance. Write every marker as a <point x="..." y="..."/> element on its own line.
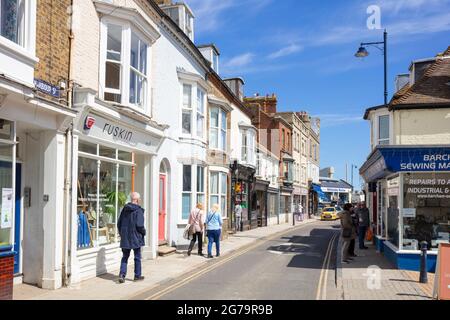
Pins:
<point x="423" y="262"/>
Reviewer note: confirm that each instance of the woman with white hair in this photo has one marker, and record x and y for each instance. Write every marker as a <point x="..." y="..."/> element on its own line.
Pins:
<point x="214" y="224"/>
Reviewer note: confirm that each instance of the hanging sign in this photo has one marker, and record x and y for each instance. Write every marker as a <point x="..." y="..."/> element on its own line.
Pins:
<point x="7" y="208"/>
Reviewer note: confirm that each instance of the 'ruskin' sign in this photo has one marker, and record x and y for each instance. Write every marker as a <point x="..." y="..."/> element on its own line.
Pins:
<point x="118" y="132"/>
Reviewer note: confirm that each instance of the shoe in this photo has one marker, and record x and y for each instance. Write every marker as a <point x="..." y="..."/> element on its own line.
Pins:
<point x="365" y="248"/>
<point x="140" y="278"/>
<point x="210" y="257"/>
<point x="121" y="279"/>
<point x="189" y="253"/>
<point x="201" y="255"/>
<point x="346" y="261"/>
<point x="351" y="259"/>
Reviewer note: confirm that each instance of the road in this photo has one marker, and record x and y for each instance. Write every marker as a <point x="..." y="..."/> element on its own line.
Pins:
<point x="297" y="265"/>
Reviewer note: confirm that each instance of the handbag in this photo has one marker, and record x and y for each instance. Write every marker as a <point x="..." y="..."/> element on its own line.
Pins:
<point x="369" y="234"/>
<point x="347" y="233"/>
<point x="186" y="231"/>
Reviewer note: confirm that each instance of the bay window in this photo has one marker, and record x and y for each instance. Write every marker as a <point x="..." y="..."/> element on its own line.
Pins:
<point x="218" y="129"/>
<point x="218" y="191"/>
<point x="193" y="188"/>
<point x="12" y="15"/>
<point x="187" y="109"/>
<point x="125" y="66"/>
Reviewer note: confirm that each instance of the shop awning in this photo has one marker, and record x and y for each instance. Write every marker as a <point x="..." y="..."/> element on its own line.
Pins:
<point x="336" y="186"/>
<point x="322" y="196"/>
<point x="385" y="160"/>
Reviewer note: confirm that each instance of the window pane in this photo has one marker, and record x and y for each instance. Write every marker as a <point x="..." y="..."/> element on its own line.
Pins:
<point x="223" y="189"/>
<point x="186" y="206"/>
<point x="200" y="125"/>
<point x="186" y="122"/>
<point x="214" y="183"/>
<point x="87" y="202"/>
<point x="187" y="178"/>
<point x="224" y="120"/>
<point x="214" y="143"/>
<point x="87" y="147"/>
<point x="214" y="117"/>
<point x="200" y="179"/>
<point x="223" y="204"/>
<point x="137" y="83"/>
<point x="384" y="127"/>
<point x="201" y="199"/>
<point x="11" y="18"/>
<point x="134" y="54"/>
<point x="107" y="152"/>
<point x="6" y="129"/>
<point x="143" y="58"/>
<point x="125" y="156"/>
<point x="213" y="200"/>
<point x="112" y="76"/>
<point x="187" y="96"/>
<point x="114" y="43"/>
<point x="200" y="101"/>
<point x="113" y="97"/>
<point x="107" y="210"/>
<point x="223" y="140"/>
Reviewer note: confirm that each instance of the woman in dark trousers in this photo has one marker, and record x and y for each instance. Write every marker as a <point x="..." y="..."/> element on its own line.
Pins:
<point x="214" y="229"/>
<point x="197" y="220"/>
<point x="351" y="248"/>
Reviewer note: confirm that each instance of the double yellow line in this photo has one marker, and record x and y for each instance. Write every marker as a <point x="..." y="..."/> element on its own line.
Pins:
<point x="323" y="280"/>
<point x="203" y="271"/>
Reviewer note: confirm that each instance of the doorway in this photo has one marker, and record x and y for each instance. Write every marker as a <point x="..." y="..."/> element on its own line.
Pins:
<point x="162" y="208"/>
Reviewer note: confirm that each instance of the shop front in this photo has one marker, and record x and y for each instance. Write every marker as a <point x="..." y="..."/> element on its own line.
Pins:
<point x="113" y="157"/>
<point x="286" y="204"/>
<point x="413" y="201"/>
<point x="243" y="193"/>
<point x="260" y="203"/>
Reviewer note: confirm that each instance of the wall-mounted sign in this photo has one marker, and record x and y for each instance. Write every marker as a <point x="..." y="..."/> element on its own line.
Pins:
<point x="424" y="186"/>
<point x="119" y="133"/>
<point x="47" y="88"/>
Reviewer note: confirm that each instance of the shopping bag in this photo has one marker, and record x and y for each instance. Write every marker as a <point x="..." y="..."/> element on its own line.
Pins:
<point x="369" y="234"/>
<point x="187" y="232"/>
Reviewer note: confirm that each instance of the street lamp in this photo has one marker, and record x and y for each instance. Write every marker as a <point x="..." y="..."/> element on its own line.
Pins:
<point x="362" y="53"/>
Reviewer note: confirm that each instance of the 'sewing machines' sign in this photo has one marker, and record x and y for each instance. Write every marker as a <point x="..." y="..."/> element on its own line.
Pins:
<point x="112" y="131"/>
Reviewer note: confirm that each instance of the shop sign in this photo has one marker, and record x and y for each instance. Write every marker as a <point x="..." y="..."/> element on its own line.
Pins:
<point x="340" y="190"/>
<point x="47" y="88"/>
<point x="418" y="159"/>
<point x="428" y="188"/>
<point x="118" y="133"/>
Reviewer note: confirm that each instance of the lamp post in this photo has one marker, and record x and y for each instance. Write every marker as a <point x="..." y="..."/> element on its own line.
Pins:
<point x="362" y="53"/>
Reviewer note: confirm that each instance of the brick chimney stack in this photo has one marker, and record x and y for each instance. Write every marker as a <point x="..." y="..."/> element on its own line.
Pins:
<point x="163" y="2"/>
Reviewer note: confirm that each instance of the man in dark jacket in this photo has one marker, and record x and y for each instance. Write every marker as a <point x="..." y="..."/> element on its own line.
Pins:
<point x="132" y="233"/>
<point x="363" y="222"/>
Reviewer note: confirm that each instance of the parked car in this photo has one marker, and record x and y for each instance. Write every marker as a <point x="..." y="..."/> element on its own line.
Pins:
<point x="329" y="214"/>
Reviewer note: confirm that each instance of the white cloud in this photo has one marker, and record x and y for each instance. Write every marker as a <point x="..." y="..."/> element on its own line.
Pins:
<point x="240" y="60"/>
<point x="285" y="51"/>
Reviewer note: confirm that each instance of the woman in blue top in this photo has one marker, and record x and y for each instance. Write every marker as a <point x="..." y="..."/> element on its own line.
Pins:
<point x="214" y="229"/>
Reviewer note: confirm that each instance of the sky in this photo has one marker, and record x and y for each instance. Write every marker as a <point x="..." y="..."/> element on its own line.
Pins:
<point x="303" y="51"/>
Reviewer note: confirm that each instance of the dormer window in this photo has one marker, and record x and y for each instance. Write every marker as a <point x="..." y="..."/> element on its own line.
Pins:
<point x="182" y="16"/>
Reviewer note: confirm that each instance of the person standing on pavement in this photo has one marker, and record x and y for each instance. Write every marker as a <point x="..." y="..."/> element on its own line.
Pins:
<point x="238" y="214"/>
<point x="132" y="232"/>
<point x="214" y="224"/>
<point x="197" y="221"/>
<point x="363" y="223"/>
<point x="348" y="231"/>
<point x="351" y="248"/>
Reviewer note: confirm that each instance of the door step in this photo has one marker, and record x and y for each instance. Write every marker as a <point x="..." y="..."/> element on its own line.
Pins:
<point x="164" y="251"/>
<point x="163" y="243"/>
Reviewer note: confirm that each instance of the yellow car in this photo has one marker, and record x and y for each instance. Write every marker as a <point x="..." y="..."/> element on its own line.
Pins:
<point x="329" y="213"/>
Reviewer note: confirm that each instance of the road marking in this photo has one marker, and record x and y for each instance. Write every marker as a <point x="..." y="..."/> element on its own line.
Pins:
<point x="195" y="275"/>
<point x="325" y="284"/>
<point x="324" y="272"/>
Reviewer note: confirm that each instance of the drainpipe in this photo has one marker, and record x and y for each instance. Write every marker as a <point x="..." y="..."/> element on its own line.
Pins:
<point x="67" y="215"/>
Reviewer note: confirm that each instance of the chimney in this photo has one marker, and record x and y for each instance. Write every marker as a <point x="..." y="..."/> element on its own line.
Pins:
<point x="400" y="81"/>
<point x="418" y="68"/>
<point x="163" y="2"/>
<point x="236" y="85"/>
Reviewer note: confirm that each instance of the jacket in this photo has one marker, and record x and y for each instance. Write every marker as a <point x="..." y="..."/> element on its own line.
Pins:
<point x="363" y="217"/>
<point x="214" y="221"/>
<point x="131" y="227"/>
<point x="197" y="219"/>
<point x="347" y="223"/>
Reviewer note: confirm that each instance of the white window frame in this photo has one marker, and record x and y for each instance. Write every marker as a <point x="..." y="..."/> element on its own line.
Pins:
<point x="378" y="132"/>
<point x="188" y="109"/>
<point x="193" y="193"/>
<point x="220" y="129"/>
<point x="249" y="150"/>
<point x="194" y="110"/>
<point x="221" y="193"/>
<point x="127" y="30"/>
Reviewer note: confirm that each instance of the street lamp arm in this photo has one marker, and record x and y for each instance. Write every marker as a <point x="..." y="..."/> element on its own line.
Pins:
<point x="374" y="44"/>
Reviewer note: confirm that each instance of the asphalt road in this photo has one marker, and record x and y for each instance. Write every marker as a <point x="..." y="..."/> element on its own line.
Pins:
<point x="288" y="267"/>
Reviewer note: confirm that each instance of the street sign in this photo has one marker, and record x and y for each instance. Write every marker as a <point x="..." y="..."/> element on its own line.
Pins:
<point x="47" y="88"/>
<point x="442" y="275"/>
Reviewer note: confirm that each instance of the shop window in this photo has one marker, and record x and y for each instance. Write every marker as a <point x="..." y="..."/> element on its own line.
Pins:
<point x="104" y="187"/>
<point x="426" y="210"/>
<point x="7" y="195"/>
<point x="87" y="147"/>
<point x="12" y="15"/>
<point x="125" y="156"/>
<point x="218" y="129"/>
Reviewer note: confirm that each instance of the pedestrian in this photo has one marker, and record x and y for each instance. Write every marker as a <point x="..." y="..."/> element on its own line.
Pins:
<point x="301" y="212"/>
<point x="363" y="223"/>
<point x="348" y="231"/>
<point x="351" y="248"/>
<point x="197" y="222"/>
<point x="132" y="232"/>
<point x="214" y="229"/>
<point x="238" y="214"/>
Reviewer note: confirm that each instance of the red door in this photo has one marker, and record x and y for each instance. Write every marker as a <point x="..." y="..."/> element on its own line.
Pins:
<point x="162" y="208"/>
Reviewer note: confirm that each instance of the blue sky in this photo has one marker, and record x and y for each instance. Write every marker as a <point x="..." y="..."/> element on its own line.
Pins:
<point x="303" y="51"/>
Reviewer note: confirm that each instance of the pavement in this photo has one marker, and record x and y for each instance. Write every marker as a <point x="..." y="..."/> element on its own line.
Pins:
<point x="370" y="276"/>
<point x="157" y="272"/>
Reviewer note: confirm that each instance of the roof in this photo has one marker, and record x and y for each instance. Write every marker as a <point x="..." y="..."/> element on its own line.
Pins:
<point x="432" y="89"/>
<point x="334" y="184"/>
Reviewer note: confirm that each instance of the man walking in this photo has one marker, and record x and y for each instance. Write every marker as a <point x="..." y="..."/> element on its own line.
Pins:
<point x="132" y="233"/>
<point x="238" y="213"/>
<point x="364" y="222"/>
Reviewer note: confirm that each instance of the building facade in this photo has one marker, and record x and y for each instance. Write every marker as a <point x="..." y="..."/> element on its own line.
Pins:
<point x="407" y="173"/>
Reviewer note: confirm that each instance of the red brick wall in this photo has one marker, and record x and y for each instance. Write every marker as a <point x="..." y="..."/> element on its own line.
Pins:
<point x="6" y="278"/>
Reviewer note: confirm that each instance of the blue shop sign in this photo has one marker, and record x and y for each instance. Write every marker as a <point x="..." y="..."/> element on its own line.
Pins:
<point x="386" y="160"/>
<point x="47" y="88"/>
